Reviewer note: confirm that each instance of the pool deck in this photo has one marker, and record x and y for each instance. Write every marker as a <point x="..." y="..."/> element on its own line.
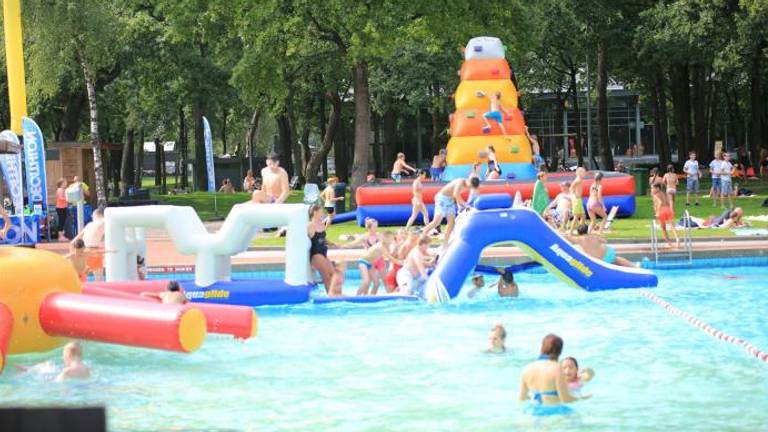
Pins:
<point x="161" y="252"/>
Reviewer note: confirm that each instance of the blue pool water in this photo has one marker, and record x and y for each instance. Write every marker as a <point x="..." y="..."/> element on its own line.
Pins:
<point x="410" y="366"/>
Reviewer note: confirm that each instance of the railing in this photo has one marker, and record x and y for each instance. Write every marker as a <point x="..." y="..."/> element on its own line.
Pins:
<point x="687" y="243"/>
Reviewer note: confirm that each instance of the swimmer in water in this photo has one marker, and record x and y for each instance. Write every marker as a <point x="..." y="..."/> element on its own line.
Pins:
<point x="172" y="295"/>
<point x="74" y="368"/>
<point x="496" y="340"/>
<point x="575" y="377"/>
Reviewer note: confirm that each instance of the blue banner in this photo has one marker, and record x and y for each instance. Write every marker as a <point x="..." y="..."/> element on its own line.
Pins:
<point x="18" y="234"/>
<point x="11" y="167"/>
<point x="34" y="162"/>
<point x="208" y="138"/>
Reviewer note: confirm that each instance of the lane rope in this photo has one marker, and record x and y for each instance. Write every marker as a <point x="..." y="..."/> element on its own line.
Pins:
<point x="703" y="326"/>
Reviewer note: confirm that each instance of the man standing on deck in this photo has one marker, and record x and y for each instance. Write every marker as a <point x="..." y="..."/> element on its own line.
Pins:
<point x="274" y="180"/>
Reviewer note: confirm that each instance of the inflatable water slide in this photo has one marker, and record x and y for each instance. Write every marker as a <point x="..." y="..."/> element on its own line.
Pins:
<point x="493" y="220"/>
<point x="484" y="73"/>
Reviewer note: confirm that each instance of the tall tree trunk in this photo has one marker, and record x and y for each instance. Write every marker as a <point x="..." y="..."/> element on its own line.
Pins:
<point x="559" y="113"/>
<point x="183" y="149"/>
<point x="360" y="166"/>
<point x="698" y="93"/>
<point x="602" y="105"/>
<point x="659" y="101"/>
<point x="201" y="173"/>
<point x="322" y="127"/>
<point x="139" y="165"/>
<point x="286" y="142"/>
<point x="306" y="152"/>
<point x="341" y="152"/>
<point x="377" y="162"/>
<point x="328" y="137"/>
<point x="224" y="116"/>
<point x="757" y="129"/>
<point x="682" y="110"/>
<point x="250" y="135"/>
<point x="390" y="136"/>
<point x="70" y="117"/>
<point x="98" y="167"/>
<point x="158" y="161"/>
<point x="163" y="171"/>
<point x="126" y="163"/>
<point x="577" y="117"/>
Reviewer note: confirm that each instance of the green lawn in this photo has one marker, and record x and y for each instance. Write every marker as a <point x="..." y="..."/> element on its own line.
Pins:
<point x="637" y="226"/>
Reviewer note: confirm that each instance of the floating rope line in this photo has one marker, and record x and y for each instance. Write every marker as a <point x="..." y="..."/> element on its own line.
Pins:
<point x="753" y="350"/>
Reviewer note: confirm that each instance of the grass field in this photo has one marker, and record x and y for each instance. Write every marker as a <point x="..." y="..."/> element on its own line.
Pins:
<point x="636" y="227"/>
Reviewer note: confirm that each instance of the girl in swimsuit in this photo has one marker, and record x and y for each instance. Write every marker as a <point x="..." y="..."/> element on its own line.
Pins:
<point x="543" y="383"/>
<point x="575" y="377"/>
<point x="418" y="201"/>
<point x="655" y="178"/>
<point x="400" y="252"/>
<point x="596" y="205"/>
<point x="494" y="170"/>
<point x="670" y="180"/>
<point x="577" y="206"/>
<point x="318" y="249"/>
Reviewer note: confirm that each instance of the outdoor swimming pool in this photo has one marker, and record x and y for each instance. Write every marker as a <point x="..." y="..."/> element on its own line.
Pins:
<point x="411" y="366"/>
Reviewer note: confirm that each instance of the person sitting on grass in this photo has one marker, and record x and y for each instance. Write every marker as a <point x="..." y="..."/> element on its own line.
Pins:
<point x="664" y="213"/>
<point x="596" y="247"/>
<point x="226" y="187"/>
<point x="172" y="295"/>
<point x="496" y="340"/>
<point x="400" y="168"/>
<point x="729" y="218"/>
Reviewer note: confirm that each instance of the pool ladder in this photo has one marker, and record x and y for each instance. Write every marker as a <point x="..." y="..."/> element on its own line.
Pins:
<point x="686" y="252"/>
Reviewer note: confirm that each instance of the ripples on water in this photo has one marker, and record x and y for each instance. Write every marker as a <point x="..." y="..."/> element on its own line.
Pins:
<point x="410" y="366"/>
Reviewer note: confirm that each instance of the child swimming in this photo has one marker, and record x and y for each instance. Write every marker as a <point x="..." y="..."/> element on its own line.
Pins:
<point x="172" y="295"/>
<point x="575" y="377"/>
<point x="496" y="340"/>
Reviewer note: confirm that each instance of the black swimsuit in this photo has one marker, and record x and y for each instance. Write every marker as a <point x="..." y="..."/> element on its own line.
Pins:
<point x="318" y="244"/>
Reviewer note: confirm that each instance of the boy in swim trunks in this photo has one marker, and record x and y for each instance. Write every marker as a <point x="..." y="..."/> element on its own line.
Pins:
<point x="172" y="294"/>
<point x="330" y="198"/>
<point x="400" y="167"/>
<point x="447" y="200"/>
<point x="715" y="169"/>
<point x="726" y="181"/>
<point x="368" y="273"/>
<point x="577" y="205"/>
<point x="664" y="213"/>
<point x="691" y="169"/>
<point x="495" y="113"/>
<point x="77" y="257"/>
<point x="413" y="274"/>
<point x="597" y="247"/>
<point x="274" y="180"/>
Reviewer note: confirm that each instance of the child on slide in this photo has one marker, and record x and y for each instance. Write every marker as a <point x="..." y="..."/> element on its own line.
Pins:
<point x="496" y="113"/>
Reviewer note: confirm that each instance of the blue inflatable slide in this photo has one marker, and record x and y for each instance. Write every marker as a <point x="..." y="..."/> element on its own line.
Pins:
<point x="493" y="220"/>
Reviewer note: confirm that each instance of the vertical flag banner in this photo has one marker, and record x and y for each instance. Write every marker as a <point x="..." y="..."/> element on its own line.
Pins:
<point x="208" y="138"/>
<point x="11" y="167"/>
<point x="34" y="162"/>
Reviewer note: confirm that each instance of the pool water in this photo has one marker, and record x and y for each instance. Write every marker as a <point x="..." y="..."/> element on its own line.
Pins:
<point x="406" y="366"/>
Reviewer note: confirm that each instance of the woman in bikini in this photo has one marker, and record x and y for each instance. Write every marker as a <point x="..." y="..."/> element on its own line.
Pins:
<point x="596" y="205"/>
<point x="670" y="180"/>
<point x="494" y="170"/>
<point x="418" y="201"/>
<point x="318" y="249"/>
<point x="543" y="383"/>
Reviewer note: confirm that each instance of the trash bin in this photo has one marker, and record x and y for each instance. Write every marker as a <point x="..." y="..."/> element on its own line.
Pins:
<point x="340" y="190"/>
<point x="641" y="179"/>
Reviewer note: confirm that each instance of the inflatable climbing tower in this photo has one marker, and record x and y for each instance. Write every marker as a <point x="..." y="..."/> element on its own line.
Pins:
<point x="484" y="72"/>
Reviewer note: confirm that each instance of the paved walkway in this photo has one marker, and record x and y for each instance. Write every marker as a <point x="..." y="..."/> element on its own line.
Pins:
<point x="161" y="252"/>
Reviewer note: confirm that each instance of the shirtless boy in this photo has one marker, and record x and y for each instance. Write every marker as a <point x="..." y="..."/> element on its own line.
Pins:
<point x="172" y="295"/>
<point x="400" y="167"/>
<point x="413" y="274"/>
<point x="74" y="368"/>
<point x="577" y="205"/>
<point x="496" y="113"/>
<point x="78" y="257"/>
<point x="447" y="200"/>
<point x="92" y="236"/>
<point x="418" y="201"/>
<point x="368" y="272"/>
<point x="596" y="247"/>
<point x="274" y="180"/>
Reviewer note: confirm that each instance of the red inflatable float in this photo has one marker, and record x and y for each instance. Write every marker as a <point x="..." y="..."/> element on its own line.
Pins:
<point x="394" y="193"/>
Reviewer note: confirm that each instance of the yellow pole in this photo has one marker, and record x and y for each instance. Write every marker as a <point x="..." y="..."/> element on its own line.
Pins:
<point x="14" y="57"/>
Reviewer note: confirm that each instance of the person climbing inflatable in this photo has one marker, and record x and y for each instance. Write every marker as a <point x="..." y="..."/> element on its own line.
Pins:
<point x="496" y="113"/>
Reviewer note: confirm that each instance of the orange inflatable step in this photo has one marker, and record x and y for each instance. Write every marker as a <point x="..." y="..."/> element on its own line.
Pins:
<point x="485" y="69"/>
<point x="469" y="122"/>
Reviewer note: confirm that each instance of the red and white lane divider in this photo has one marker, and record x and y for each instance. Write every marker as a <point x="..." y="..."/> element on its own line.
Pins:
<point x="753" y="350"/>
